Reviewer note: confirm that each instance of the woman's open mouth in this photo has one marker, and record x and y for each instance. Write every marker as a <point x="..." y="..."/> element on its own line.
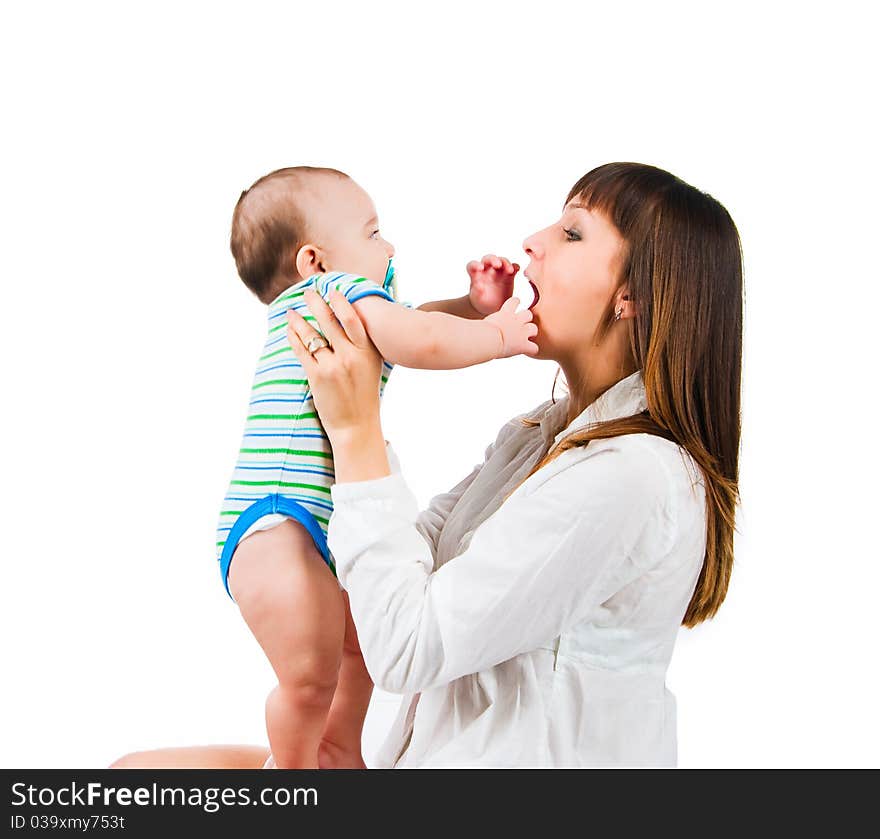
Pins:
<point x="535" y="292"/>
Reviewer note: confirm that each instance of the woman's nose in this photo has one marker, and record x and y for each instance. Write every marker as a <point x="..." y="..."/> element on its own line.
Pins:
<point x="531" y="246"/>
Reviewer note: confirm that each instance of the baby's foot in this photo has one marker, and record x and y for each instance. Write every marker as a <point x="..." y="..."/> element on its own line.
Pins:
<point x="331" y="756"/>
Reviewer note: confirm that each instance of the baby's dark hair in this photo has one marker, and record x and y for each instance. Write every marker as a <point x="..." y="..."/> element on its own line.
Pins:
<point x="268" y="228"/>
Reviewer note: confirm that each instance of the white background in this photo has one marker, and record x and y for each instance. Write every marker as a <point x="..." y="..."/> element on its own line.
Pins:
<point x="128" y="342"/>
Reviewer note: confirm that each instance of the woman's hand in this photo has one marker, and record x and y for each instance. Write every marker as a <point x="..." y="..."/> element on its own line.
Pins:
<point x="344" y="377"/>
<point x="491" y="282"/>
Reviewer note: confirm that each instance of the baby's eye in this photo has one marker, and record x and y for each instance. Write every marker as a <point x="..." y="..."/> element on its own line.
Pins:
<point x="374" y="234"/>
<point x="571" y="235"/>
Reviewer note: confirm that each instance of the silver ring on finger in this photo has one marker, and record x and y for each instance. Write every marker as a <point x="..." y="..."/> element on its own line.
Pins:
<point x="316" y="343"/>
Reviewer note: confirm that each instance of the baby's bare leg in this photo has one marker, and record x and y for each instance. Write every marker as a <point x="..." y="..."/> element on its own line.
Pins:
<point x="195" y="757"/>
<point x="292" y="604"/>
<point x="341" y="744"/>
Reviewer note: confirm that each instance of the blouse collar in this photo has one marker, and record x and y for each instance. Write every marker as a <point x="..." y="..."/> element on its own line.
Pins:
<point x="623" y="399"/>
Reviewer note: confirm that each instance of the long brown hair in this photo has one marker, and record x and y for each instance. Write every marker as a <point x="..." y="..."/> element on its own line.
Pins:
<point x="683" y="265"/>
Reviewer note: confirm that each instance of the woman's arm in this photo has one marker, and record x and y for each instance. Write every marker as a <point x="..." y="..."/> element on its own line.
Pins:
<point x="571" y="536"/>
<point x="577" y="532"/>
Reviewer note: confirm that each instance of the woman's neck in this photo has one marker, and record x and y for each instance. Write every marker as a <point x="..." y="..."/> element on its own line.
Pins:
<point x="589" y="379"/>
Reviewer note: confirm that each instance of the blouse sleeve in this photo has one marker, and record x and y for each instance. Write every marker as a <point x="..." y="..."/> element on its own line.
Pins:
<point x="575" y="533"/>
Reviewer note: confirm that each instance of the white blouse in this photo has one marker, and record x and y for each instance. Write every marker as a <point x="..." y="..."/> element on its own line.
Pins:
<point x="538" y="632"/>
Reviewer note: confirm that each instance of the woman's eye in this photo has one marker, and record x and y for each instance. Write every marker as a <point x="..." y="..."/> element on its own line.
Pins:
<point x="572" y="235"/>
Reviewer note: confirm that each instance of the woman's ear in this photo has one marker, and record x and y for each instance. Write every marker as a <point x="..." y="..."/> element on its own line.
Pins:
<point x="310" y="260"/>
<point x="625" y="302"/>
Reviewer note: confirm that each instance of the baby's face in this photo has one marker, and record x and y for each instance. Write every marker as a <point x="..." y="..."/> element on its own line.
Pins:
<point x="344" y="221"/>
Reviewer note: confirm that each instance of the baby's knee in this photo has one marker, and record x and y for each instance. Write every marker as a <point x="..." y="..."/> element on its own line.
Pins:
<point x="304" y="689"/>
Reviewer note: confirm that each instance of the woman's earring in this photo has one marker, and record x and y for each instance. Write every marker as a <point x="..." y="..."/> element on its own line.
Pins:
<point x="618" y="313"/>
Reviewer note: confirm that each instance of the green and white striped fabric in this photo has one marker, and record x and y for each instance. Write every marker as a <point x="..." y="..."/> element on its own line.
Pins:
<point x="285" y="455"/>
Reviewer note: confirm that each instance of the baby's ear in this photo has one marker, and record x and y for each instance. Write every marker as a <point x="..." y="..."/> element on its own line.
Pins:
<point x="309" y="261"/>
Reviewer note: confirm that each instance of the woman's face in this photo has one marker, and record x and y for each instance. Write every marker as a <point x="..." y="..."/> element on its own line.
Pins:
<point x="574" y="267"/>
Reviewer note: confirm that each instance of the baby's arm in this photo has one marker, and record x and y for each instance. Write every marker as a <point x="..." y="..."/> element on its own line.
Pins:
<point x="492" y="279"/>
<point x="436" y="340"/>
<point x="459" y="306"/>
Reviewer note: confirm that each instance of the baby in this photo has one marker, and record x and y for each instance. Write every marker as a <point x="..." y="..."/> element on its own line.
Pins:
<point x="299" y="228"/>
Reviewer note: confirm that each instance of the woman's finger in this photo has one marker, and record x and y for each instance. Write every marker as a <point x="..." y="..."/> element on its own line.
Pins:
<point x="304" y="330"/>
<point x="305" y="358"/>
<point x="349" y="318"/>
<point x="322" y="313"/>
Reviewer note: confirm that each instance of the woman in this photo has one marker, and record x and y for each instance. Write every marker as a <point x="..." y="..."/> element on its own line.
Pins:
<point x="595" y="527"/>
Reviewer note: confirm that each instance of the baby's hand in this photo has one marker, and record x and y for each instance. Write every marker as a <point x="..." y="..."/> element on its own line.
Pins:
<point x="516" y="329"/>
<point x="491" y="282"/>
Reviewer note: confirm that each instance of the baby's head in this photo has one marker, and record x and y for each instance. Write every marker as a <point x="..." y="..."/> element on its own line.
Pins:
<point x="304" y="220"/>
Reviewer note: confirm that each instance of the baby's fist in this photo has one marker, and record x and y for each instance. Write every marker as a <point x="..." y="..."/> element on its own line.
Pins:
<point x="491" y="282"/>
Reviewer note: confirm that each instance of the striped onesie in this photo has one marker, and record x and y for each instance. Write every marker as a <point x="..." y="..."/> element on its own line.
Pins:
<point x="285" y="464"/>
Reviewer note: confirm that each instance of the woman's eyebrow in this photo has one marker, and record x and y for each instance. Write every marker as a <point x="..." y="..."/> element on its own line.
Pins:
<point x="587" y="217"/>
